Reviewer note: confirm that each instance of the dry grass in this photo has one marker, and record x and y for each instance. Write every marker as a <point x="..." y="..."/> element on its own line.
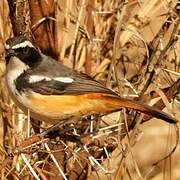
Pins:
<point x="121" y="44"/>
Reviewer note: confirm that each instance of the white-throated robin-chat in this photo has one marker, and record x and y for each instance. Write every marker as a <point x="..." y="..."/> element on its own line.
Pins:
<point x="52" y="91"/>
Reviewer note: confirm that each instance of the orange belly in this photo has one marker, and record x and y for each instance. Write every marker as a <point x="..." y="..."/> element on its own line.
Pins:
<point x="56" y="107"/>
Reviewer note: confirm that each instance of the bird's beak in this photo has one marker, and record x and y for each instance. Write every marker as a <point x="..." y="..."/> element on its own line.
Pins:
<point x="9" y="53"/>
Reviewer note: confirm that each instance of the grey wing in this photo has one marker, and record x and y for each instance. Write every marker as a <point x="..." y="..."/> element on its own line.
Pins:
<point x="78" y="86"/>
<point x="54" y="78"/>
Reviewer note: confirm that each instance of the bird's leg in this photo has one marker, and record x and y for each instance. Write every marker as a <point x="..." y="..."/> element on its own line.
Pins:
<point x="57" y="126"/>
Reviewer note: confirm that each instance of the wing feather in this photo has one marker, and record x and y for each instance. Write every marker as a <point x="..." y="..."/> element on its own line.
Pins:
<point x="52" y="84"/>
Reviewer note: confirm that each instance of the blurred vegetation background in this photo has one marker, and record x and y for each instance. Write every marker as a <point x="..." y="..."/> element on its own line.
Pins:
<point x="131" y="46"/>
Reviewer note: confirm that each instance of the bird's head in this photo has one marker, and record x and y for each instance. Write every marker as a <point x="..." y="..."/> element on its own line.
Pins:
<point x="21" y="48"/>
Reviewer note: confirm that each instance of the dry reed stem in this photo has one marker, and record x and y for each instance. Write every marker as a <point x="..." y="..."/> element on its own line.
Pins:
<point x="82" y="8"/>
<point x="115" y="46"/>
<point x="65" y="30"/>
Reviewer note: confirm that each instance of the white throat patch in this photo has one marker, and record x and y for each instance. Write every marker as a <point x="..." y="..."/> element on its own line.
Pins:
<point x="14" y="69"/>
<point x="7" y="46"/>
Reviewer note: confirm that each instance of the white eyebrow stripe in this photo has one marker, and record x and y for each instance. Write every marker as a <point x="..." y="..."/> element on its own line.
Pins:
<point x="23" y="44"/>
<point x="37" y="78"/>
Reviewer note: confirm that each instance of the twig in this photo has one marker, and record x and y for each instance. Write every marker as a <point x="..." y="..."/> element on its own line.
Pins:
<point x="173" y="149"/>
<point x="55" y="161"/>
<point x="77" y="29"/>
<point x="30" y="167"/>
<point x="172" y="41"/>
<point x="115" y="45"/>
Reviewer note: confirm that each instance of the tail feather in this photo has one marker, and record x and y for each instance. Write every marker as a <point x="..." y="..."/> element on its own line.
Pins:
<point x="141" y="107"/>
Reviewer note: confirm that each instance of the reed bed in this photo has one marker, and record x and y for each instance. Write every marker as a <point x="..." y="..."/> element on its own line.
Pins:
<point x="131" y="47"/>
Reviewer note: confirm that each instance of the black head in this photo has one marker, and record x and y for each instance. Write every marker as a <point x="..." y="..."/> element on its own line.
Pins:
<point x="23" y="49"/>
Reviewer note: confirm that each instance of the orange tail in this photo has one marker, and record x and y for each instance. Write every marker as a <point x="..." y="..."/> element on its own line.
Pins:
<point x="115" y="103"/>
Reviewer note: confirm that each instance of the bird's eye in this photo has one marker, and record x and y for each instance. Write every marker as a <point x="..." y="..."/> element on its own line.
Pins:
<point x="25" y="50"/>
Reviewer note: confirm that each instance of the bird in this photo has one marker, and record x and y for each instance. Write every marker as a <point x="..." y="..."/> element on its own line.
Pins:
<point x="53" y="92"/>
